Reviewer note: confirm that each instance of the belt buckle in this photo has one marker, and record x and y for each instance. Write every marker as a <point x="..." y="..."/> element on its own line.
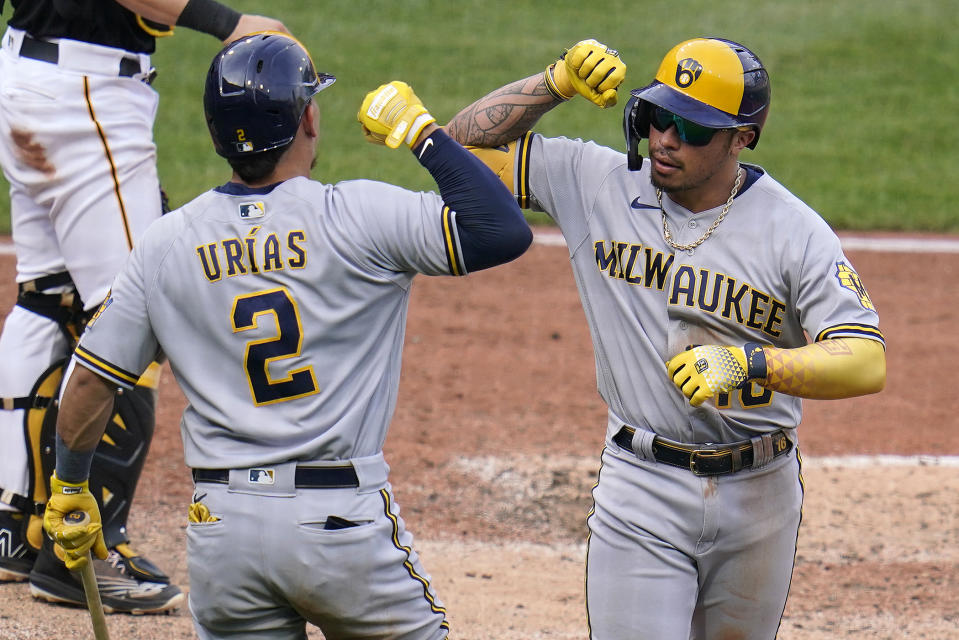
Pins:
<point x="696" y="453"/>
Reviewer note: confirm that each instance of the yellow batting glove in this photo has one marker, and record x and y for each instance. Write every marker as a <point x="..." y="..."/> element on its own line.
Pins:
<point x="72" y="520"/>
<point x="199" y="512"/>
<point x="704" y="371"/>
<point x="392" y="114"/>
<point x="588" y="68"/>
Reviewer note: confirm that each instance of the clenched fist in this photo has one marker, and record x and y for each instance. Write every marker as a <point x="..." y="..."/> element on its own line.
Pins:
<point x="704" y="371"/>
<point x="72" y="520"/>
<point x="392" y="114"/>
<point x="588" y="68"/>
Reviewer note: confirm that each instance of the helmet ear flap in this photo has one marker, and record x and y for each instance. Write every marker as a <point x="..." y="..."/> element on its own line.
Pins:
<point x="635" y="128"/>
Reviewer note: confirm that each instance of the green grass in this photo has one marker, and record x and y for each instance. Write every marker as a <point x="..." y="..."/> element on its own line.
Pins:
<point x="862" y="125"/>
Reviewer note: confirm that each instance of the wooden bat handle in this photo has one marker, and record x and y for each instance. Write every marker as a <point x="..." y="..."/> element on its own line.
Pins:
<point x="93" y="600"/>
<point x="90" y="588"/>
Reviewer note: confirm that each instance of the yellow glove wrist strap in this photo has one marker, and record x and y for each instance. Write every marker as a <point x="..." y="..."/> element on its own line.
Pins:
<point x="549" y="79"/>
<point x="67" y="488"/>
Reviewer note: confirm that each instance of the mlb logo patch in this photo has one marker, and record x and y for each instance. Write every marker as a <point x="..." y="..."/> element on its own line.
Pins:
<point x="262" y="476"/>
<point x="250" y="210"/>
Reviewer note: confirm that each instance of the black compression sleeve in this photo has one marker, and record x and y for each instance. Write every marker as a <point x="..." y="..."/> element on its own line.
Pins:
<point x="209" y="16"/>
<point x="489" y="222"/>
<point x="72" y="466"/>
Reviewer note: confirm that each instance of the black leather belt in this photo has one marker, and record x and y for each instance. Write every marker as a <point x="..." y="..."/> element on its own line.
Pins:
<point x="50" y="52"/>
<point x="706" y="460"/>
<point x="337" y="477"/>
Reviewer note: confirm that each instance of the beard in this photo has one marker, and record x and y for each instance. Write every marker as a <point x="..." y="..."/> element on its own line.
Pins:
<point x="688" y="178"/>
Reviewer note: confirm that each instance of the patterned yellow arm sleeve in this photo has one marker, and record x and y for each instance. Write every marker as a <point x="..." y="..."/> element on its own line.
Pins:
<point x="827" y="370"/>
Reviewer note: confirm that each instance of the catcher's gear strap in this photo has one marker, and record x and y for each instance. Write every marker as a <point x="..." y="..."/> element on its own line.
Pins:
<point x="490" y="226"/>
<point x="502" y="161"/>
<point x="65" y="308"/>
<point x="44" y="283"/>
<point x="24" y="402"/>
<point x="15" y="500"/>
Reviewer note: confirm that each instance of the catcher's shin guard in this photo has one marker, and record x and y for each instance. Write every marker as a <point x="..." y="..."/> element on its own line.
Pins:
<point x="39" y="425"/>
<point x="116" y="468"/>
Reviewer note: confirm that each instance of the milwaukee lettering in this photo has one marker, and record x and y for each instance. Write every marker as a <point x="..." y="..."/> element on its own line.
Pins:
<point x="690" y="286"/>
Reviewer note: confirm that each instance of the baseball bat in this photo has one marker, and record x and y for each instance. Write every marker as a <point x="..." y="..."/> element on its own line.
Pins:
<point x="90" y="588"/>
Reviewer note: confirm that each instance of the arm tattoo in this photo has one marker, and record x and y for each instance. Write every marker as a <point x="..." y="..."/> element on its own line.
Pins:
<point x="503" y="115"/>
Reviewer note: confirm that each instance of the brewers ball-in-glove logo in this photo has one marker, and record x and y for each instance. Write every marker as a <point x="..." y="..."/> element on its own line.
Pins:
<point x="849" y="279"/>
<point x="687" y="72"/>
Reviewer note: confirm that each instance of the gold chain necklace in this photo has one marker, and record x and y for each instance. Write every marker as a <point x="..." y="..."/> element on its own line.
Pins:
<point x="668" y="237"/>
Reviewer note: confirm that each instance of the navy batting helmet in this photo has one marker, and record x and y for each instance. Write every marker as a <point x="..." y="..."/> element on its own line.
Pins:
<point x="712" y="82"/>
<point x="256" y="92"/>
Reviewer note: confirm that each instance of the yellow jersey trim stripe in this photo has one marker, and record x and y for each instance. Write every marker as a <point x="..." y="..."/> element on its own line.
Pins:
<point x="523" y="147"/>
<point x="105" y="369"/>
<point x="435" y="608"/>
<point x="113" y="167"/>
<point x="453" y="260"/>
<point x="852" y="331"/>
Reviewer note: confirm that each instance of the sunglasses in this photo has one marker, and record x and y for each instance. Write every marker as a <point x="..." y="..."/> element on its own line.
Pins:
<point x="689" y="132"/>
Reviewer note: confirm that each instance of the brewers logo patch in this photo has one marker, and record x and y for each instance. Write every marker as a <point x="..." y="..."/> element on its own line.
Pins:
<point x="849" y="279"/>
<point x="687" y="72"/>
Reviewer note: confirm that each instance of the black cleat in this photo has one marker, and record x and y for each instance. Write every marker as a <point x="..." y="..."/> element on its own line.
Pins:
<point x="119" y="591"/>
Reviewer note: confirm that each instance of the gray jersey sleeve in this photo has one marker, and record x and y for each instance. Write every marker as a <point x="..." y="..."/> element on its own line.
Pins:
<point x="122" y="320"/>
<point x="824" y="290"/>
<point x="415" y="234"/>
<point x="571" y="181"/>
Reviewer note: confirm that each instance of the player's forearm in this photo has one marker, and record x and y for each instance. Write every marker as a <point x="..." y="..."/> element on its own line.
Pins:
<point x="85" y="407"/>
<point x="503" y="115"/>
<point x="826" y="370"/>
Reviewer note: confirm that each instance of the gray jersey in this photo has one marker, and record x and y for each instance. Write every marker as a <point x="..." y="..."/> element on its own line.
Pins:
<point x="773" y="272"/>
<point x="227" y="287"/>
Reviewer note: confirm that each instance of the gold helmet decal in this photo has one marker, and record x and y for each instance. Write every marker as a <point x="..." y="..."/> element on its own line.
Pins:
<point x="687" y="72"/>
<point x="849" y="279"/>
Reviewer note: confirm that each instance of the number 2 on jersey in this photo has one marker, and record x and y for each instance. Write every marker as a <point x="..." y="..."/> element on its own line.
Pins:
<point x="249" y="312"/>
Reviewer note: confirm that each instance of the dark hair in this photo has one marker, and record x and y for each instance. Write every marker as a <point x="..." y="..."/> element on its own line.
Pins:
<point x="255" y="167"/>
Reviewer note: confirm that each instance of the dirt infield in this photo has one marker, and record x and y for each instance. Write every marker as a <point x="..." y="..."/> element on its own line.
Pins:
<point x="495" y="446"/>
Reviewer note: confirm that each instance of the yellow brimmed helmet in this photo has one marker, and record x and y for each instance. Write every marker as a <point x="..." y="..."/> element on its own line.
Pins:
<point x="713" y="82"/>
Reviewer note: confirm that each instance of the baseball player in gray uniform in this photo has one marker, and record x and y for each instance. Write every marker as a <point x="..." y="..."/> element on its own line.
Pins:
<point x="281" y="304"/>
<point x="76" y="145"/>
<point x="701" y="277"/>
